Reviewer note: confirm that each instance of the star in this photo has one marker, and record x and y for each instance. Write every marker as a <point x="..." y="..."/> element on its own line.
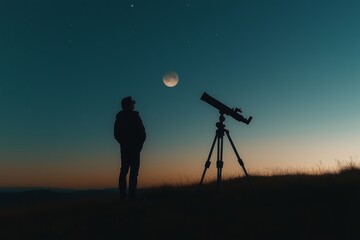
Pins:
<point x="132" y="5"/>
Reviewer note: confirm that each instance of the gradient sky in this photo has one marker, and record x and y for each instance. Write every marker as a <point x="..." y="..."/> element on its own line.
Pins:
<point x="65" y="65"/>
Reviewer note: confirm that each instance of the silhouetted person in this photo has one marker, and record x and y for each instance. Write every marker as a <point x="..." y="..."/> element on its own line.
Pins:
<point x="130" y="133"/>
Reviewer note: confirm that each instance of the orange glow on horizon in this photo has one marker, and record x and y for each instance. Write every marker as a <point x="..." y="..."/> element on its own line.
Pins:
<point x="102" y="170"/>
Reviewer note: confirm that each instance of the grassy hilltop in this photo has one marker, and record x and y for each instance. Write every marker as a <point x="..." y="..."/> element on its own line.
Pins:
<point x="285" y="206"/>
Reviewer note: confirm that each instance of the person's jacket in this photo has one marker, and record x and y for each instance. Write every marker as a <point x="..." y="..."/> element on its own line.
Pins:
<point x="129" y="131"/>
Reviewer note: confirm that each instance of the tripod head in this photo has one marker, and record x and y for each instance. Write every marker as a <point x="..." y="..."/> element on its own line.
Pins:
<point x="220" y="125"/>
<point x="221" y="117"/>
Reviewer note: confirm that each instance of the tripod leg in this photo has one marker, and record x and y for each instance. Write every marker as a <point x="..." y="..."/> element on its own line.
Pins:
<point x="219" y="162"/>
<point x="207" y="163"/>
<point x="238" y="157"/>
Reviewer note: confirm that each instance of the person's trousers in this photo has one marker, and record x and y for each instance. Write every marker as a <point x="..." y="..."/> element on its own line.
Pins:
<point x="130" y="160"/>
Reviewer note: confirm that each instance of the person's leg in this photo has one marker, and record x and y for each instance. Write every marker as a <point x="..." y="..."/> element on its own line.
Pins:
<point x="123" y="172"/>
<point x="134" y="170"/>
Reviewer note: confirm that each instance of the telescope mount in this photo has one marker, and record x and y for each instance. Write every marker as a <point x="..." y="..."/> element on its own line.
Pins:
<point x="219" y="138"/>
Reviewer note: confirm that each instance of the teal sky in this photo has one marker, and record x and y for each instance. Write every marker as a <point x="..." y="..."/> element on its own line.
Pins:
<point x="65" y="66"/>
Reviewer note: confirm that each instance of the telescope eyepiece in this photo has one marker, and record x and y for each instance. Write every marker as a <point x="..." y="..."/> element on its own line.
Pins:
<point x="249" y="120"/>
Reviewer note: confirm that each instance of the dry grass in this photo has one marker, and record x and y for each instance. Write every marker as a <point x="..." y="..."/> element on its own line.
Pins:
<point x="290" y="205"/>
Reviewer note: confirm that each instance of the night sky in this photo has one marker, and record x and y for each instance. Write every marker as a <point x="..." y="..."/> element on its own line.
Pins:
<point x="65" y="66"/>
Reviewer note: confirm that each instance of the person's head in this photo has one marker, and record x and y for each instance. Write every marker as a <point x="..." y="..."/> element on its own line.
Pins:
<point x="128" y="104"/>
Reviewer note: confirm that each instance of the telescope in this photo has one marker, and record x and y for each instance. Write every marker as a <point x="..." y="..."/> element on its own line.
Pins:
<point x="219" y="137"/>
<point x="233" y="112"/>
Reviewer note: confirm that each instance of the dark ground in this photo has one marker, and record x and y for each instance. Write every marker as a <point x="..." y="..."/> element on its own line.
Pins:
<point x="282" y="207"/>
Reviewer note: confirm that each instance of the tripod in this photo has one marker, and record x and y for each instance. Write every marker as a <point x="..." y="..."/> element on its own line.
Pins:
<point x="219" y="138"/>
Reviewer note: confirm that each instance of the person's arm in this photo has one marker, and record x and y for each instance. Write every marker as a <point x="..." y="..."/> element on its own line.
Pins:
<point x="117" y="130"/>
<point x="141" y="133"/>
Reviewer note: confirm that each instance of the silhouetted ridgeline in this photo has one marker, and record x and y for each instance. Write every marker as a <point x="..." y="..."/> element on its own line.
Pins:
<point x="285" y="207"/>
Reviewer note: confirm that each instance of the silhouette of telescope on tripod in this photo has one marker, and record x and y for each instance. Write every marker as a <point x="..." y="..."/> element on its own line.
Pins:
<point x="219" y="138"/>
<point x="233" y="112"/>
